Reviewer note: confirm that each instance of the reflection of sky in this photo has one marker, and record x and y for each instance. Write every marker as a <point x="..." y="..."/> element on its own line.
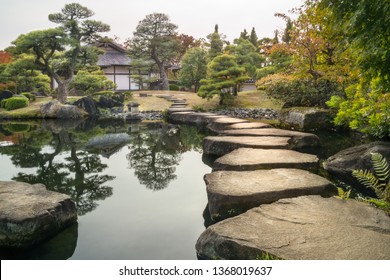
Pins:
<point x="138" y="223"/>
<point x="8" y="170"/>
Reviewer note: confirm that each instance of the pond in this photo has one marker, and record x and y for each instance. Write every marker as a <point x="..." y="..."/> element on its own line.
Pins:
<point x="138" y="186"/>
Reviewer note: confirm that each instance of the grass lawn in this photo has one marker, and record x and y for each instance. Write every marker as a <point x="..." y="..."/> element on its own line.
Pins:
<point x="154" y="102"/>
<point x="247" y="99"/>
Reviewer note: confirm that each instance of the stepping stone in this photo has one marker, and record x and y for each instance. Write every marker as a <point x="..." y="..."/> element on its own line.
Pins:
<point x="233" y="192"/>
<point x="220" y="124"/>
<point x="303" y="139"/>
<point x="221" y="145"/>
<point x="192" y="118"/>
<point x="248" y="125"/>
<point x="171" y="110"/>
<point x="302" y="228"/>
<point x="30" y="214"/>
<point x="245" y="159"/>
<point x="174" y="105"/>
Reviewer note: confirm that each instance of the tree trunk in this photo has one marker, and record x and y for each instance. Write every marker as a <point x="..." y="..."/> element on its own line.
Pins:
<point x="164" y="77"/>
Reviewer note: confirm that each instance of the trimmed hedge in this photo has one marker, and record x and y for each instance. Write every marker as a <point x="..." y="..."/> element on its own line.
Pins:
<point x="29" y="95"/>
<point x="174" y="87"/>
<point x="14" y="103"/>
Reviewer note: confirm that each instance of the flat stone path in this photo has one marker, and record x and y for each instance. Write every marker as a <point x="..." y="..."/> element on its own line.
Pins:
<point x="245" y="159"/>
<point x="286" y="218"/>
<point x="29" y="214"/>
<point x="302" y="228"/>
<point x="221" y="145"/>
<point x="234" y="192"/>
<point x="248" y="125"/>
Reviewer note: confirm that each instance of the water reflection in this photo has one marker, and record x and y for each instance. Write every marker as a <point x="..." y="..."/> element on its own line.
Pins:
<point x="91" y="161"/>
<point x="67" y="156"/>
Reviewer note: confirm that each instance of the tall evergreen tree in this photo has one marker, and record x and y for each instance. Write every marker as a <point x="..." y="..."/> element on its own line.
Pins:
<point x="215" y="44"/>
<point x="253" y="37"/>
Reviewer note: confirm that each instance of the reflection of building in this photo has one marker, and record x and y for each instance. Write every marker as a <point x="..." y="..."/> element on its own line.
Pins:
<point x="115" y="63"/>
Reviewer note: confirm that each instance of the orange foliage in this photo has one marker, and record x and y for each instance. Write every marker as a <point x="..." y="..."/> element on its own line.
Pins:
<point x="5" y="57"/>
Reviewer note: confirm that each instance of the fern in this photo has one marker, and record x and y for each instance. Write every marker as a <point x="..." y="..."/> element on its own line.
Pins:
<point x="380" y="181"/>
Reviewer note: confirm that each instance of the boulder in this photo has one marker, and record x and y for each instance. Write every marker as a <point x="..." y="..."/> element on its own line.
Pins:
<point x="107" y="102"/>
<point x="233" y="192"/>
<point x="341" y="165"/>
<point x="50" y="109"/>
<point x="5" y="94"/>
<point x="306" y="118"/>
<point x="55" y="109"/>
<point x="89" y="105"/>
<point x="302" y="228"/>
<point x="245" y="159"/>
<point x="30" y="214"/>
<point x="221" y="145"/>
<point x="70" y="112"/>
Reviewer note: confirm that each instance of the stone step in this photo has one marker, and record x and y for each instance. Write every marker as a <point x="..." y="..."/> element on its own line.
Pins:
<point x="219" y="124"/>
<point x="178" y="105"/>
<point x="245" y="159"/>
<point x="172" y="110"/>
<point x="221" y="145"/>
<point x="303" y="228"/>
<point x="30" y="214"/>
<point x="196" y="118"/>
<point x="233" y="192"/>
<point x="248" y="125"/>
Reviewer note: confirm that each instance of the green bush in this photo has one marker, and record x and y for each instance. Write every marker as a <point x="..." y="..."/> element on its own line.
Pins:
<point x="15" y="103"/>
<point x="304" y="93"/>
<point x="174" y="87"/>
<point x="29" y="95"/>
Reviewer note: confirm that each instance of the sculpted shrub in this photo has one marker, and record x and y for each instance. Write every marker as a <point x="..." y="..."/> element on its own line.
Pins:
<point x="15" y="103"/>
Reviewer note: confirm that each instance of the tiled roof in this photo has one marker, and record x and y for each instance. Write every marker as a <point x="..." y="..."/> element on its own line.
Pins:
<point x="113" y="58"/>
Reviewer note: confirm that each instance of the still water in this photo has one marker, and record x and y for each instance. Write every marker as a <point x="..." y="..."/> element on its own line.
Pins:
<point x="138" y="187"/>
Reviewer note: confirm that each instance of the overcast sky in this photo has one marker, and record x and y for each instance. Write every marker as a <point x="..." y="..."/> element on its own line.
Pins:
<point x="196" y="17"/>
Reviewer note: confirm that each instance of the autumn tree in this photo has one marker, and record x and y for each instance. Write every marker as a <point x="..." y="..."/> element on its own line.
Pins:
<point x="223" y="78"/>
<point x="193" y="68"/>
<point x="155" y="38"/>
<point x="61" y="51"/>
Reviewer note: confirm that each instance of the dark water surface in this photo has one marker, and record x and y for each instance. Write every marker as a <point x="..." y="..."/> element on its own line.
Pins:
<point x="138" y="187"/>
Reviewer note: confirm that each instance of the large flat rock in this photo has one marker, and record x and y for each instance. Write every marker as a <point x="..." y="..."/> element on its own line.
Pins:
<point x="233" y="192"/>
<point x="308" y="227"/>
<point x="304" y="139"/>
<point x="248" y="125"/>
<point x="219" y="124"/>
<point x="195" y="118"/>
<point x="245" y="159"/>
<point x="221" y="145"/>
<point x="30" y="214"/>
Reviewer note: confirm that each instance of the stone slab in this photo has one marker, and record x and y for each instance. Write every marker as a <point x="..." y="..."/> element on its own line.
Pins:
<point x="220" y="124"/>
<point x="221" y="145"/>
<point x="29" y="214"/>
<point x="303" y="228"/>
<point x="195" y="118"/>
<point x="248" y="125"/>
<point x="233" y="192"/>
<point x="300" y="139"/>
<point x="171" y="110"/>
<point x="245" y="159"/>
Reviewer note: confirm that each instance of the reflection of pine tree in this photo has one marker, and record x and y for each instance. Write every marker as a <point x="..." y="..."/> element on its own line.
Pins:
<point x="77" y="176"/>
<point x="154" y="156"/>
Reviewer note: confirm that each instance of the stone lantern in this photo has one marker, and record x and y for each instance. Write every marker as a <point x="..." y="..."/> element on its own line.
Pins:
<point x="133" y="108"/>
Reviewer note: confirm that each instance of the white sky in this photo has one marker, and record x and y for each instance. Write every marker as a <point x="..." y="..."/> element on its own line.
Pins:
<point x="196" y="17"/>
